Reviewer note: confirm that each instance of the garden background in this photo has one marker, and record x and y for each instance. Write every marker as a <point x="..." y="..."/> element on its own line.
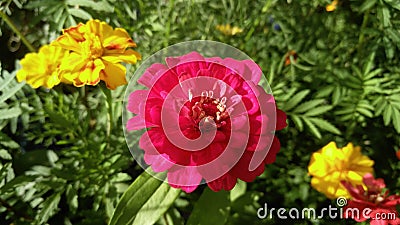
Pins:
<point x="334" y="68"/>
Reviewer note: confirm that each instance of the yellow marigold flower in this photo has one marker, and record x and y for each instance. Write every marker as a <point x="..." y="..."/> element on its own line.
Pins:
<point x="331" y="7"/>
<point x="96" y="53"/>
<point x="41" y="68"/>
<point x="330" y="165"/>
<point x="228" y="30"/>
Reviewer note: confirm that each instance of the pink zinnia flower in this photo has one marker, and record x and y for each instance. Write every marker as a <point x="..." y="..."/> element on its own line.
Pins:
<point x="207" y="119"/>
<point x="381" y="206"/>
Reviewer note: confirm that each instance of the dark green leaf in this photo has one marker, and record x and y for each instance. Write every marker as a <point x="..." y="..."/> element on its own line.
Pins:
<point x="312" y="128"/>
<point x="212" y="206"/>
<point x="304" y="107"/>
<point x="325" y="125"/>
<point x="295" y="100"/>
<point x="146" y="196"/>
<point x="80" y="13"/>
<point x="318" y="110"/>
<point x="50" y="207"/>
<point x="367" y="5"/>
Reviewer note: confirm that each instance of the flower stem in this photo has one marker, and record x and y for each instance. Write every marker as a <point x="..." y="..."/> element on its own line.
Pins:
<point x="362" y="32"/>
<point x="110" y="113"/>
<point x="16" y="31"/>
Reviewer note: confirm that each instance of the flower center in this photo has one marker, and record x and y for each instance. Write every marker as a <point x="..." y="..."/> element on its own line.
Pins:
<point x="208" y="112"/>
<point x="92" y="47"/>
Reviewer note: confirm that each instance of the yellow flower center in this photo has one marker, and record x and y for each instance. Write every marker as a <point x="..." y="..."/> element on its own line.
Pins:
<point x="92" y="47"/>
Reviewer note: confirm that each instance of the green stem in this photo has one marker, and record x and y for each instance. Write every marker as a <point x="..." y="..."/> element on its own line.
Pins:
<point x="16" y="31"/>
<point x="361" y="37"/>
<point x="110" y="112"/>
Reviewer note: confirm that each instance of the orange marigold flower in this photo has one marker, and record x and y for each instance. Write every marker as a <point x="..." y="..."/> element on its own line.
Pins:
<point x="96" y="52"/>
<point x="330" y="165"/>
<point x="292" y="54"/>
<point x="42" y="68"/>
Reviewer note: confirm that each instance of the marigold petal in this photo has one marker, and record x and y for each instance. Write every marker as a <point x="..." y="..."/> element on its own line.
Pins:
<point x="119" y="39"/>
<point x="90" y="73"/>
<point x="41" y="68"/>
<point x="113" y="75"/>
<point x="128" y="56"/>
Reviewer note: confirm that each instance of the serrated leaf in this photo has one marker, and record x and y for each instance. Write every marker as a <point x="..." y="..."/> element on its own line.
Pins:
<point x="297" y="122"/>
<point x="5" y="155"/>
<point x="396" y="120"/>
<point x="380" y="105"/>
<point x="324" y="91"/>
<point x="10" y="92"/>
<point x="50" y="207"/>
<point x="52" y="156"/>
<point x="384" y="14"/>
<point x="325" y="125"/>
<point x="72" y="198"/>
<point x="295" y="100"/>
<point x="7" y="78"/>
<point x="337" y="95"/>
<point x="368" y="66"/>
<point x="98" y="5"/>
<point x="367" y="5"/>
<point x="215" y="205"/>
<point x="79" y="13"/>
<point x="10" y="113"/>
<point x="387" y="114"/>
<point x="318" y="110"/>
<point x="394" y="35"/>
<point x="146" y="199"/>
<point x="365" y="112"/>
<point x="312" y="128"/>
<point x="304" y="107"/>
<point x="372" y="74"/>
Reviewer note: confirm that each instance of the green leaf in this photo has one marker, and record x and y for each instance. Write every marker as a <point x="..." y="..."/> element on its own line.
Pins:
<point x="295" y="100"/>
<point x="80" y="13"/>
<point x="145" y="201"/>
<point x="384" y="15"/>
<point x="8" y="77"/>
<point x="365" y="112"/>
<point x="5" y="155"/>
<point x="11" y="92"/>
<point x="238" y="190"/>
<point x="324" y="91"/>
<point x="318" y="110"/>
<point x="312" y="127"/>
<point x="95" y="5"/>
<point x="211" y="207"/>
<point x="387" y="114"/>
<point x="367" y="5"/>
<point x="50" y="207"/>
<point x="396" y="119"/>
<point x="368" y="66"/>
<point x="304" y="107"/>
<point x="394" y="35"/>
<point x="10" y="113"/>
<point x="72" y="198"/>
<point x="325" y="125"/>
<point x="297" y="122"/>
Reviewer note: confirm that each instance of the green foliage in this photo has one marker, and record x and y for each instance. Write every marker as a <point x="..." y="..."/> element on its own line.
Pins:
<point x="216" y="205"/>
<point x="145" y="201"/>
<point x="63" y="156"/>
